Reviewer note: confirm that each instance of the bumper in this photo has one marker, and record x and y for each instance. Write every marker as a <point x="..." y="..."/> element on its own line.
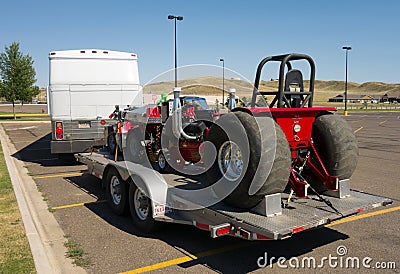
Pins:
<point x="73" y="146"/>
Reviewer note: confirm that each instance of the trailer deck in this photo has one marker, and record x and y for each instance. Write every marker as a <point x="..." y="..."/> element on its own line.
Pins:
<point x="303" y="214"/>
<point x="221" y="219"/>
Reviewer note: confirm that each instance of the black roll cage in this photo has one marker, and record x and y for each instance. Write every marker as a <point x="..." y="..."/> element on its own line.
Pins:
<point x="282" y="97"/>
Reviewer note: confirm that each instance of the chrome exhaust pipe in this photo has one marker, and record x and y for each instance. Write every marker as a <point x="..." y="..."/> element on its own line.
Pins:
<point x="177" y="128"/>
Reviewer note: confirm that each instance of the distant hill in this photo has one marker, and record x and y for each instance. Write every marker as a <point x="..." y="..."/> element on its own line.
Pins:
<point x="212" y="86"/>
<point x="206" y="85"/>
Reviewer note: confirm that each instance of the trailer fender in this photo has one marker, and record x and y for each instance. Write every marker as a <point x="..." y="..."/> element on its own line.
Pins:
<point x="148" y="180"/>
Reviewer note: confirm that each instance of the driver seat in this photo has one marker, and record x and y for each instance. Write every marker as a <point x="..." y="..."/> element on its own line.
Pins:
<point x="294" y="83"/>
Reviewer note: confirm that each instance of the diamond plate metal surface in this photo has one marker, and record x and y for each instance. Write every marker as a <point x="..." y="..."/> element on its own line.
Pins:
<point x="304" y="212"/>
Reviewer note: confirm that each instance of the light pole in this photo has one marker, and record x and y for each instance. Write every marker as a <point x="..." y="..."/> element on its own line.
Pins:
<point x="346" y="48"/>
<point x="179" y="18"/>
<point x="223" y="81"/>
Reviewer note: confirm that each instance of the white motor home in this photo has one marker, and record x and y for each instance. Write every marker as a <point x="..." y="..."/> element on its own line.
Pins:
<point x="84" y="88"/>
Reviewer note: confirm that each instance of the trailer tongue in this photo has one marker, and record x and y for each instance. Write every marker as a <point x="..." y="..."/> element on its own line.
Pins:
<point x="279" y="218"/>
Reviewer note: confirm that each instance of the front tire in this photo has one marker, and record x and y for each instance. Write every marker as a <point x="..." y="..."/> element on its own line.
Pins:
<point x="134" y="150"/>
<point x="112" y="142"/>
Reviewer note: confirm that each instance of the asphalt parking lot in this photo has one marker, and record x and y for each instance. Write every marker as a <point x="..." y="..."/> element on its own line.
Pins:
<point x="113" y="245"/>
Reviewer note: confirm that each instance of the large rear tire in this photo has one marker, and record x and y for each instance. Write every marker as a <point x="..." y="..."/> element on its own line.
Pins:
<point x="336" y="144"/>
<point x="245" y="161"/>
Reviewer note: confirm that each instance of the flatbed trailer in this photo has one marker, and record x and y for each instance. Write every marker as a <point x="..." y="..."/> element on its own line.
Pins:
<point x="274" y="219"/>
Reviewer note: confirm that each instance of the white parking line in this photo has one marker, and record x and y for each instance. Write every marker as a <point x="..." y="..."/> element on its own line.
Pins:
<point x="357" y="130"/>
<point x="21" y="128"/>
<point x="381" y="123"/>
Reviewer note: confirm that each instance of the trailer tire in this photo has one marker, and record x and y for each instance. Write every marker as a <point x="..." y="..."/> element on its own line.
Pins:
<point x="336" y="144"/>
<point x="277" y="175"/>
<point x="134" y="150"/>
<point x="117" y="193"/>
<point x="141" y="210"/>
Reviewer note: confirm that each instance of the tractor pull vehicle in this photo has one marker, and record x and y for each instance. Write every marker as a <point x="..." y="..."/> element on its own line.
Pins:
<point x="138" y="131"/>
<point x="257" y="172"/>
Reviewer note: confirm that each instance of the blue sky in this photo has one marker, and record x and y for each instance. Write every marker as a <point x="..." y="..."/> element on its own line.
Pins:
<point x="241" y="32"/>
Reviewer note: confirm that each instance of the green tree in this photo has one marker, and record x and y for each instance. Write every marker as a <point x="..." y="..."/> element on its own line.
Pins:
<point x="17" y="74"/>
<point x="28" y="94"/>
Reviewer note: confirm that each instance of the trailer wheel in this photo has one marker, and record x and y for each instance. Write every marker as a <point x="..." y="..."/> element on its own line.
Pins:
<point x="336" y="144"/>
<point x="141" y="209"/>
<point x="233" y="163"/>
<point x="117" y="194"/>
<point x="134" y="150"/>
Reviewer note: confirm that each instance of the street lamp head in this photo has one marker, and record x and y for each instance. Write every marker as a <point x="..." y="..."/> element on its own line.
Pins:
<point x="221" y="60"/>
<point x="346" y="48"/>
<point x="172" y="17"/>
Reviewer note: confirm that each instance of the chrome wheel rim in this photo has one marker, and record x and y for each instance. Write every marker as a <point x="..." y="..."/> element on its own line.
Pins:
<point x="115" y="190"/>
<point x="161" y="160"/>
<point x="230" y="160"/>
<point x="141" y="205"/>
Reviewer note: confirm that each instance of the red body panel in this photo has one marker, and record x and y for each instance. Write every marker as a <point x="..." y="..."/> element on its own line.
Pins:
<point x="301" y="138"/>
<point x="153" y="112"/>
<point x="287" y="118"/>
<point x="303" y="117"/>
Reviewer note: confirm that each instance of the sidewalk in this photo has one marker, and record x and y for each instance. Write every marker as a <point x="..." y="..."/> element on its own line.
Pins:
<point x="44" y="234"/>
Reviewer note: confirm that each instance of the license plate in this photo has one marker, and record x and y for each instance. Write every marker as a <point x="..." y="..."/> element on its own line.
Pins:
<point x="84" y="124"/>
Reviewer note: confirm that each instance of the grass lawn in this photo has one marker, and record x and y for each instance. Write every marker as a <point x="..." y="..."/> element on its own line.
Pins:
<point x="9" y="116"/>
<point x="15" y="253"/>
